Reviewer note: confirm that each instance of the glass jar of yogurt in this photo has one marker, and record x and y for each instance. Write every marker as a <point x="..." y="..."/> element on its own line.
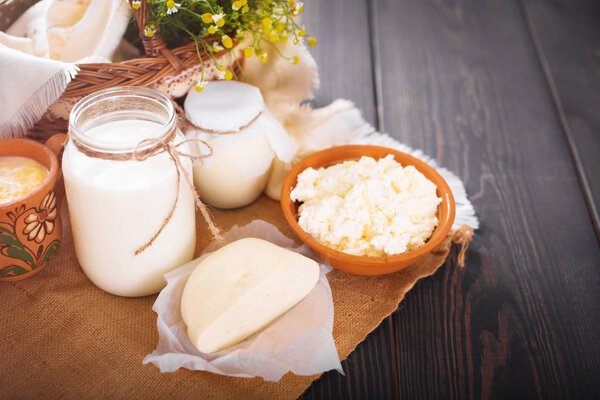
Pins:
<point x="131" y="220"/>
<point x="233" y="119"/>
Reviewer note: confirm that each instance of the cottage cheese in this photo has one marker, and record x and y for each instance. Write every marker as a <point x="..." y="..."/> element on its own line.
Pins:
<point x="367" y="207"/>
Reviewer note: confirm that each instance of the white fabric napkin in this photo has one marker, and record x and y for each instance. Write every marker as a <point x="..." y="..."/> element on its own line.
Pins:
<point x="38" y="53"/>
<point x="300" y="341"/>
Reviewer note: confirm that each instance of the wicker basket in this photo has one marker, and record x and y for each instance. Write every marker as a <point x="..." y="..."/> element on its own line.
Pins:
<point x="160" y="67"/>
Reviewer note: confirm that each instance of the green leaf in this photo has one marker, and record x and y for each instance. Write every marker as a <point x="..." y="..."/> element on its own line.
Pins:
<point x="21" y="254"/>
<point x="12" y="270"/>
<point x="9" y="240"/>
<point x="8" y="231"/>
<point x="50" y="251"/>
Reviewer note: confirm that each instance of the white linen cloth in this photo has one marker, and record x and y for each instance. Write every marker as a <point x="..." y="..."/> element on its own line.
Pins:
<point x="40" y="50"/>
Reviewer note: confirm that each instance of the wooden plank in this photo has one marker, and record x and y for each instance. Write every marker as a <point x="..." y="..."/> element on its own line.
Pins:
<point x="566" y="35"/>
<point x="344" y="58"/>
<point x="460" y="80"/>
<point x="343" y="52"/>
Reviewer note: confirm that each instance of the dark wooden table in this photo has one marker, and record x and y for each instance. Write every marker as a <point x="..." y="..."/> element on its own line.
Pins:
<point x="506" y="94"/>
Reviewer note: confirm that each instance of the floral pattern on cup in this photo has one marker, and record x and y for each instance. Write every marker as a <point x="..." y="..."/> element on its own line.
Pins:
<point x="41" y="221"/>
<point x="23" y="238"/>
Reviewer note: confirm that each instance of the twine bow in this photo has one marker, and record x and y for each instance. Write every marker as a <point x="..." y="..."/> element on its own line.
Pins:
<point x="149" y="148"/>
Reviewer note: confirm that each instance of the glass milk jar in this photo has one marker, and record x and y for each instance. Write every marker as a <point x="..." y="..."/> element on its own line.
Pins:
<point x="245" y="138"/>
<point x="131" y="220"/>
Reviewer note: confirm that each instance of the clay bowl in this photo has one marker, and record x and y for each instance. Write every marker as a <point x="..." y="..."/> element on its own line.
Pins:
<point x="362" y="265"/>
<point x="30" y="226"/>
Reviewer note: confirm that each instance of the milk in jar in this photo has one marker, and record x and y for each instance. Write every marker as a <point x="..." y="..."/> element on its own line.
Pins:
<point x="117" y="206"/>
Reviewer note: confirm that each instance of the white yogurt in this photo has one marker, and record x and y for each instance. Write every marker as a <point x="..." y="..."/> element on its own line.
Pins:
<point x="117" y="206"/>
<point x="245" y="138"/>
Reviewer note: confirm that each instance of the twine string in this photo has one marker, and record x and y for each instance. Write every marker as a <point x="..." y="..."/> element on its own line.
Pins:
<point x="164" y="146"/>
<point x="462" y="237"/>
<point x="151" y="147"/>
<point x="213" y="132"/>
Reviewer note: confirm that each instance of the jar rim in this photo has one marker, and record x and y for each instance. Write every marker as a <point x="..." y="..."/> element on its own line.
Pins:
<point x="150" y="96"/>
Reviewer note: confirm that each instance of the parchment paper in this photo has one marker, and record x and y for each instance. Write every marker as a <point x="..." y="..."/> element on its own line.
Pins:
<point x="300" y="341"/>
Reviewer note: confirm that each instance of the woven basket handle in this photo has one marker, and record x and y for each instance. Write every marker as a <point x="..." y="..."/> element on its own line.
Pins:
<point x="152" y="44"/>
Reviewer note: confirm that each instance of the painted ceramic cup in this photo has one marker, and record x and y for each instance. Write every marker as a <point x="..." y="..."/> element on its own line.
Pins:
<point x="30" y="226"/>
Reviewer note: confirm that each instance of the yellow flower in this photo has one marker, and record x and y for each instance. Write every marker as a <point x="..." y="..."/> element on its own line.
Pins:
<point x="295" y="60"/>
<point x="302" y="32"/>
<point x="245" y="9"/>
<point x="236" y="5"/>
<point x="221" y="68"/>
<point x="172" y="7"/>
<point x="244" y="2"/>
<point x="228" y="75"/>
<point x="211" y="29"/>
<point x="136" y="4"/>
<point x="207" y="18"/>
<point x="264" y="57"/>
<point x="41" y="221"/>
<point x="280" y="26"/>
<point x="283" y="38"/>
<point x="248" y="51"/>
<point x="273" y="37"/>
<point x="199" y="87"/>
<point x="218" y="19"/>
<point x="299" y="8"/>
<point x="266" y="21"/>
<point x="149" y="31"/>
<point x="227" y="42"/>
<point x="312" y="41"/>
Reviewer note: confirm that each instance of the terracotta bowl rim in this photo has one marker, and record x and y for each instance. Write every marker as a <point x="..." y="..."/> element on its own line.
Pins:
<point x="52" y="171"/>
<point x="364" y="262"/>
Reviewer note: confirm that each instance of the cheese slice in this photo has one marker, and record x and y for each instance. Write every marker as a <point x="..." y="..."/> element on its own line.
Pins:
<point x="240" y="289"/>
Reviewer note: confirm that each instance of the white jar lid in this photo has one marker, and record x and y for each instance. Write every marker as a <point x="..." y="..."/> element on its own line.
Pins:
<point x="223" y="106"/>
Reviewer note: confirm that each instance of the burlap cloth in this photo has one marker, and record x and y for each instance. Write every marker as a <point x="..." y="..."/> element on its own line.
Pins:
<point x="64" y="338"/>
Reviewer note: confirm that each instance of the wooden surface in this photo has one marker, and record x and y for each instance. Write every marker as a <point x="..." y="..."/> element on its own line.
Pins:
<point x="507" y="95"/>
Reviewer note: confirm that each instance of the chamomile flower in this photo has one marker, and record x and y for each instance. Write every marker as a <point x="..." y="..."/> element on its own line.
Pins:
<point x="217" y="47"/>
<point x="211" y="29"/>
<point x="136" y="4"/>
<point x="172" y="7"/>
<point x="226" y="75"/>
<point x="207" y="18"/>
<point x="298" y="8"/>
<point x="312" y="41"/>
<point x="218" y="19"/>
<point x="295" y="60"/>
<point x="198" y="87"/>
<point x="236" y="5"/>
<point x="227" y="41"/>
<point x="264" y="58"/>
<point x="149" y="30"/>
